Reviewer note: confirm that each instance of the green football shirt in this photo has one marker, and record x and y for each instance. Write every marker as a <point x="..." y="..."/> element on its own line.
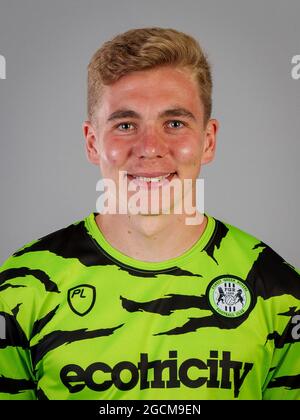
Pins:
<point x="81" y="320"/>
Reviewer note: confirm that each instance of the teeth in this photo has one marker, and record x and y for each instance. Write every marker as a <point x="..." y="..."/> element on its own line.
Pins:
<point x="154" y="179"/>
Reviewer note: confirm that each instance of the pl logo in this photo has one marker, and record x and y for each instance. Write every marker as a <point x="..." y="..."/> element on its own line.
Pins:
<point x="2" y="67"/>
<point x="82" y="298"/>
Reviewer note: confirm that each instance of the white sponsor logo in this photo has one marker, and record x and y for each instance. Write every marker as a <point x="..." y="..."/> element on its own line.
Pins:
<point x="2" y="67"/>
<point x="296" y="329"/>
<point x="2" y="328"/>
<point x="296" y="69"/>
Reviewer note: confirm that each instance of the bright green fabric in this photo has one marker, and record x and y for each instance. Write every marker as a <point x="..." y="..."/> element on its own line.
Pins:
<point x="84" y="321"/>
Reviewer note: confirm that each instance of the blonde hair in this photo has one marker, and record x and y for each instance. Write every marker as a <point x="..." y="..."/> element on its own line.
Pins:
<point x="146" y="48"/>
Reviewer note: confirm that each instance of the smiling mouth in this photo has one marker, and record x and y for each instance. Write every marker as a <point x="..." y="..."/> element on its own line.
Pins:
<point x="151" y="179"/>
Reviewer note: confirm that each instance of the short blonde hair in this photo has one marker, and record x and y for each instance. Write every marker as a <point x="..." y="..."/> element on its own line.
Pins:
<point x="146" y="48"/>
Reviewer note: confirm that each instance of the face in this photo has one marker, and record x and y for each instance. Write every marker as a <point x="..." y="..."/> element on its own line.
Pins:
<point x="151" y="125"/>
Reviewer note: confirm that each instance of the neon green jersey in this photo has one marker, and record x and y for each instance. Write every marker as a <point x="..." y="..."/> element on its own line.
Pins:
<point x="80" y="320"/>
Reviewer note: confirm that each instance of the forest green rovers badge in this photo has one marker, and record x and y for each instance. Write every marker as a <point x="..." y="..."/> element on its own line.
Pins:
<point x="229" y="296"/>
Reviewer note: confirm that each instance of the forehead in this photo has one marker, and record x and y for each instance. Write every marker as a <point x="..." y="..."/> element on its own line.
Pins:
<point x="154" y="88"/>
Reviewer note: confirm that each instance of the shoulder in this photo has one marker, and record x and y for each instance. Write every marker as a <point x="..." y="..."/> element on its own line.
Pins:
<point x="234" y="233"/>
<point x="269" y="273"/>
<point x="242" y="239"/>
<point x="38" y="259"/>
<point x="228" y="242"/>
<point x="62" y="242"/>
<point x="56" y="242"/>
<point x="34" y="273"/>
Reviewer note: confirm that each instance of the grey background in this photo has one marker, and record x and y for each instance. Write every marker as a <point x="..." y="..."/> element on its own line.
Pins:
<point x="46" y="181"/>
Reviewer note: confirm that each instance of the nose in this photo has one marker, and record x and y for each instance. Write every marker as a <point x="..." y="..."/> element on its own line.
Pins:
<point x="150" y="145"/>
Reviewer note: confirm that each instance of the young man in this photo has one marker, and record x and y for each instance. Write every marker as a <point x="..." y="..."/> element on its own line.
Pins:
<point x="142" y="304"/>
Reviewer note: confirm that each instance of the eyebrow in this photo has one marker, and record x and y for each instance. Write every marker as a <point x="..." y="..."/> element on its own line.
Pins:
<point x="172" y="112"/>
<point x="177" y="112"/>
<point x="123" y="113"/>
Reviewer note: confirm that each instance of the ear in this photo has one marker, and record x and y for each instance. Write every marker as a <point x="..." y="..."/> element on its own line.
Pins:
<point x="210" y="138"/>
<point x="91" y="146"/>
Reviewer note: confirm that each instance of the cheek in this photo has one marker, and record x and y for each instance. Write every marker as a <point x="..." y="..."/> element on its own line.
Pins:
<point x="115" y="153"/>
<point x="187" y="152"/>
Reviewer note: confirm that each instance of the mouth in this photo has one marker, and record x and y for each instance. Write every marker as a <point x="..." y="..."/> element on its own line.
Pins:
<point x="151" y="180"/>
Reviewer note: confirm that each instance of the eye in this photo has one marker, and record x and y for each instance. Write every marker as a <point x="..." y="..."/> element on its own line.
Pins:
<point x="125" y="126"/>
<point x="175" y="124"/>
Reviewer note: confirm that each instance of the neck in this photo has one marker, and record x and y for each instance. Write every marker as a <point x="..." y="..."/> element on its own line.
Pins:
<point x="150" y="238"/>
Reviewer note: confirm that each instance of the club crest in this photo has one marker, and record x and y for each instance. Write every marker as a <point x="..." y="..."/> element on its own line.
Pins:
<point x="229" y="296"/>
